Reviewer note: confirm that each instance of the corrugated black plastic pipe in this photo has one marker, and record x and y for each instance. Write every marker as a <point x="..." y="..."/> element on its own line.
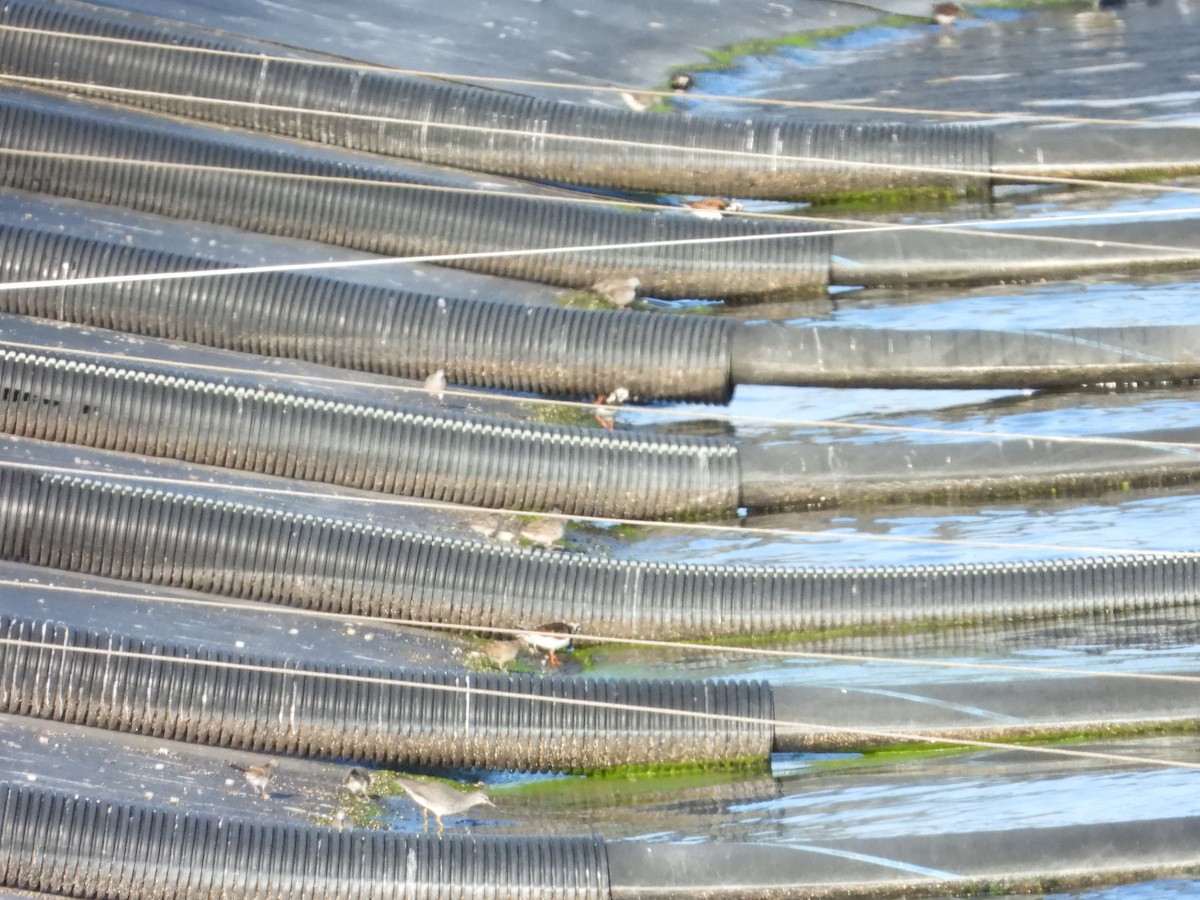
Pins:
<point x="451" y="124"/>
<point x="169" y="168"/>
<point x="101" y="526"/>
<point x="67" y="844"/>
<point x="384" y="716"/>
<point x="549" y="349"/>
<point x="412" y="450"/>
<point x="161" y="166"/>
<point x="76" y="393"/>
<point x="544" y="349"/>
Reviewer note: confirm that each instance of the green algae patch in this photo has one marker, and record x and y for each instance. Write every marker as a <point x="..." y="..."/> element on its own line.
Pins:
<point x="727" y="57"/>
<point x="906" y="198"/>
<point x="1115" y="731"/>
<point x="584" y="300"/>
<point x="570" y="416"/>
<point x="636" y="780"/>
<point x="1045" y="736"/>
<point x="785" y="639"/>
<point x="890" y="755"/>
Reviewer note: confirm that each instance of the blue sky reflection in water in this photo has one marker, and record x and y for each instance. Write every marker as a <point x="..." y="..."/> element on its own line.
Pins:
<point x="887" y="804"/>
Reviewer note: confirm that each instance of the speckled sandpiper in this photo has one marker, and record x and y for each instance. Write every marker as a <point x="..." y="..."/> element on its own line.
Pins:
<point x="620" y="292"/>
<point x="357" y="782"/>
<point x="545" y="531"/>
<point x="501" y="652"/>
<point x="258" y="776"/>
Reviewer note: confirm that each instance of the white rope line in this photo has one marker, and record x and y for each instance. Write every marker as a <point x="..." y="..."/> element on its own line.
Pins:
<point x="189" y="487"/>
<point x="123" y="359"/>
<point x="758" y="721"/>
<point x="467" y="80"/>
<point x="260" y="609"/>
<point x="542" y="137"/>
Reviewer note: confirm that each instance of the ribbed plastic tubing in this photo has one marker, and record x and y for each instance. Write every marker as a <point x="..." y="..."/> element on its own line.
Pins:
<point x="102" y="526"/>
<point x="80" y="846"/>
<point x="152" y="409"/>
<point x="255" y="86"/>
<point x="287" y="189"/>
<point x="540" y="349"/>
<point x="384" y="716"/>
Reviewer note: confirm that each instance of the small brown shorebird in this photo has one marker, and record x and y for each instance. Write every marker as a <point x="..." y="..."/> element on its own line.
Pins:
<point x="357" y="782"/>
<point x="620" y="292"/>
<point x="545" y="531"/>
<point x="258" y="777"/>
<point x="501" y="652"/>
<point x="494" y="526"/>
<point x="551" y="637"/>
<point x="440" y="799"/>
<point x="946" y="13"/>
<point x="712" y="207"/>
<point x="605" y="412"/>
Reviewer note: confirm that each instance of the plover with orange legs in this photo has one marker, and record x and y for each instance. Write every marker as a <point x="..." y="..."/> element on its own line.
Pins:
<point x="551" y="637"/>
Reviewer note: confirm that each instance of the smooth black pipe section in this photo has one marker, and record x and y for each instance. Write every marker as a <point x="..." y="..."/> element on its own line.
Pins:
<point x="1095" y="150"/>
<point x="834" y="473"/>
<point x="832" y="356"/>
<point x="298" y="556"/>
<point x="962" y="862"/>
<point x="387" y="717"/>
<point x="65" y="843"/>
<point x="453" y="124"/>
<point x="886" y="257"/>
<point x="163" y="166"/>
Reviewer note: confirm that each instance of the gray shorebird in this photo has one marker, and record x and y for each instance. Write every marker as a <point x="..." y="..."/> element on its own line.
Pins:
<point x="440" y="799"/>
<point x="494" y="527"/>
<point x="258" y="777"/>
<point x="551" y="637"/>
<point x="357" y="782"/>
<point x="605" y="412"/>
